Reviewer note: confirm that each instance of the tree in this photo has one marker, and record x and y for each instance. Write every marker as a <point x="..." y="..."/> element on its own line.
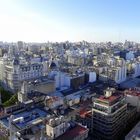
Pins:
<point x="11" y="101"/>
<point x="5" y="95"/>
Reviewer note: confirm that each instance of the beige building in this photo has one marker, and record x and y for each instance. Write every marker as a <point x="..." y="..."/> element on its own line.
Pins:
<point x="58" y="129"/>
<point x="13" y="72"/>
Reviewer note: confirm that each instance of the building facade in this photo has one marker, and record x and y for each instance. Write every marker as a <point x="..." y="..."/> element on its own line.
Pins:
<point x="109" y="114"/>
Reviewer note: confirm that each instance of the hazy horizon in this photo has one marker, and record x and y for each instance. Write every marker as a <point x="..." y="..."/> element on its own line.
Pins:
<point x="72" y="20"/>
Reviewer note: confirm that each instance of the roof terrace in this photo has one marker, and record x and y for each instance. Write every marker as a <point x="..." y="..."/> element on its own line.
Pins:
<point x="29" y="118"/>
<point x="73" y="133"/>
<point x="109" y="100"/>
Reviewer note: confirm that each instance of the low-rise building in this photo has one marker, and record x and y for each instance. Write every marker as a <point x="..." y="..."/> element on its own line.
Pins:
<point x="24" y="124"/>
<point x="59" y="128"/>
<point x="15" y="71"/>
<point x="78" y="132"/>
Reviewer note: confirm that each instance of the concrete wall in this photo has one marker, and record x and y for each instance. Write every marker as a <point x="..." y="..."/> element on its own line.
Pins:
<point x="134" y="101"/>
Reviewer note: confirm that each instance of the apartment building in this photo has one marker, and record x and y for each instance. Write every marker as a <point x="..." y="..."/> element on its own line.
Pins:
<point x="14" y="72"/>
<point x="109" y="115"/>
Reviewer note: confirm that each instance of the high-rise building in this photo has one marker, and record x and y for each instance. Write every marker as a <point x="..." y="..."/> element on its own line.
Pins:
<point x="109" y="114"/>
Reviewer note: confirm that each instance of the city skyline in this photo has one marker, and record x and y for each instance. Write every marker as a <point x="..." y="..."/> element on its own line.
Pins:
<point x="92" y="20"/>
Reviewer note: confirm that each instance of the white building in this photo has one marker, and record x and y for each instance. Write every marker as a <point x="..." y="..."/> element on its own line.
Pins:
<point x="116" y="70"/>
<point x="67" y="80"/>
<point x="92" y="77"/>
<point x="120" y="74"/>
<point x="56" y="127"/>
<point x="13" y="72"/>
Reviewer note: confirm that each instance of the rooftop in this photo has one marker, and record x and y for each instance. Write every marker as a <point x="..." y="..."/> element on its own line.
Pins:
<point x="30" y="117"/>
<point x="83" y="106"/>
<point x="115" y="97"/>
<point x="133" y="92"/>
<point x="73" y="133"/>
<point x="108" y="99"/>
<point x="83" y="113"/>
<point x="41" y="80"/>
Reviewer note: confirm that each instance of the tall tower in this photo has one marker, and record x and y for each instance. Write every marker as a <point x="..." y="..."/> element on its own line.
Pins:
<point x="109" y="115"/>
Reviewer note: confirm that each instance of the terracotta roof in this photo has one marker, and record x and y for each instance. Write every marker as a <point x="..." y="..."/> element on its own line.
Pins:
<point x="83" y="112"/>
<point x="109" y="99"/>
<point x="73" y="133"/>
<point x="133" y="92"/>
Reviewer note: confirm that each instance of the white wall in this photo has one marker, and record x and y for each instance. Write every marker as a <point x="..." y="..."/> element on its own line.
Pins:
<point x="57" y="131"/>
<point x="122" y="74"/>
<point x="92" y="77"/>
<point x="62" y="79"/>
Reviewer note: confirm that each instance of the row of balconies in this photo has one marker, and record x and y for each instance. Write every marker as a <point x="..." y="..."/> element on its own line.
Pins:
<point x="102" y="116"/>
<point x="107" y="135"/>
<point x="109" y="124"/>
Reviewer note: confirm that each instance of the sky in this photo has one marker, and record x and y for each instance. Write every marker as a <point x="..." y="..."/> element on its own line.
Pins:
<point x="72" y="20"/>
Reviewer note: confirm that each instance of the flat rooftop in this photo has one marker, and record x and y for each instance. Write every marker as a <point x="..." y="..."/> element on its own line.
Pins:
<point x="30" y="117"/>
<point x="133" y="92"/>
<point x="41" y="80"/>
<point x="109" y="100"/>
